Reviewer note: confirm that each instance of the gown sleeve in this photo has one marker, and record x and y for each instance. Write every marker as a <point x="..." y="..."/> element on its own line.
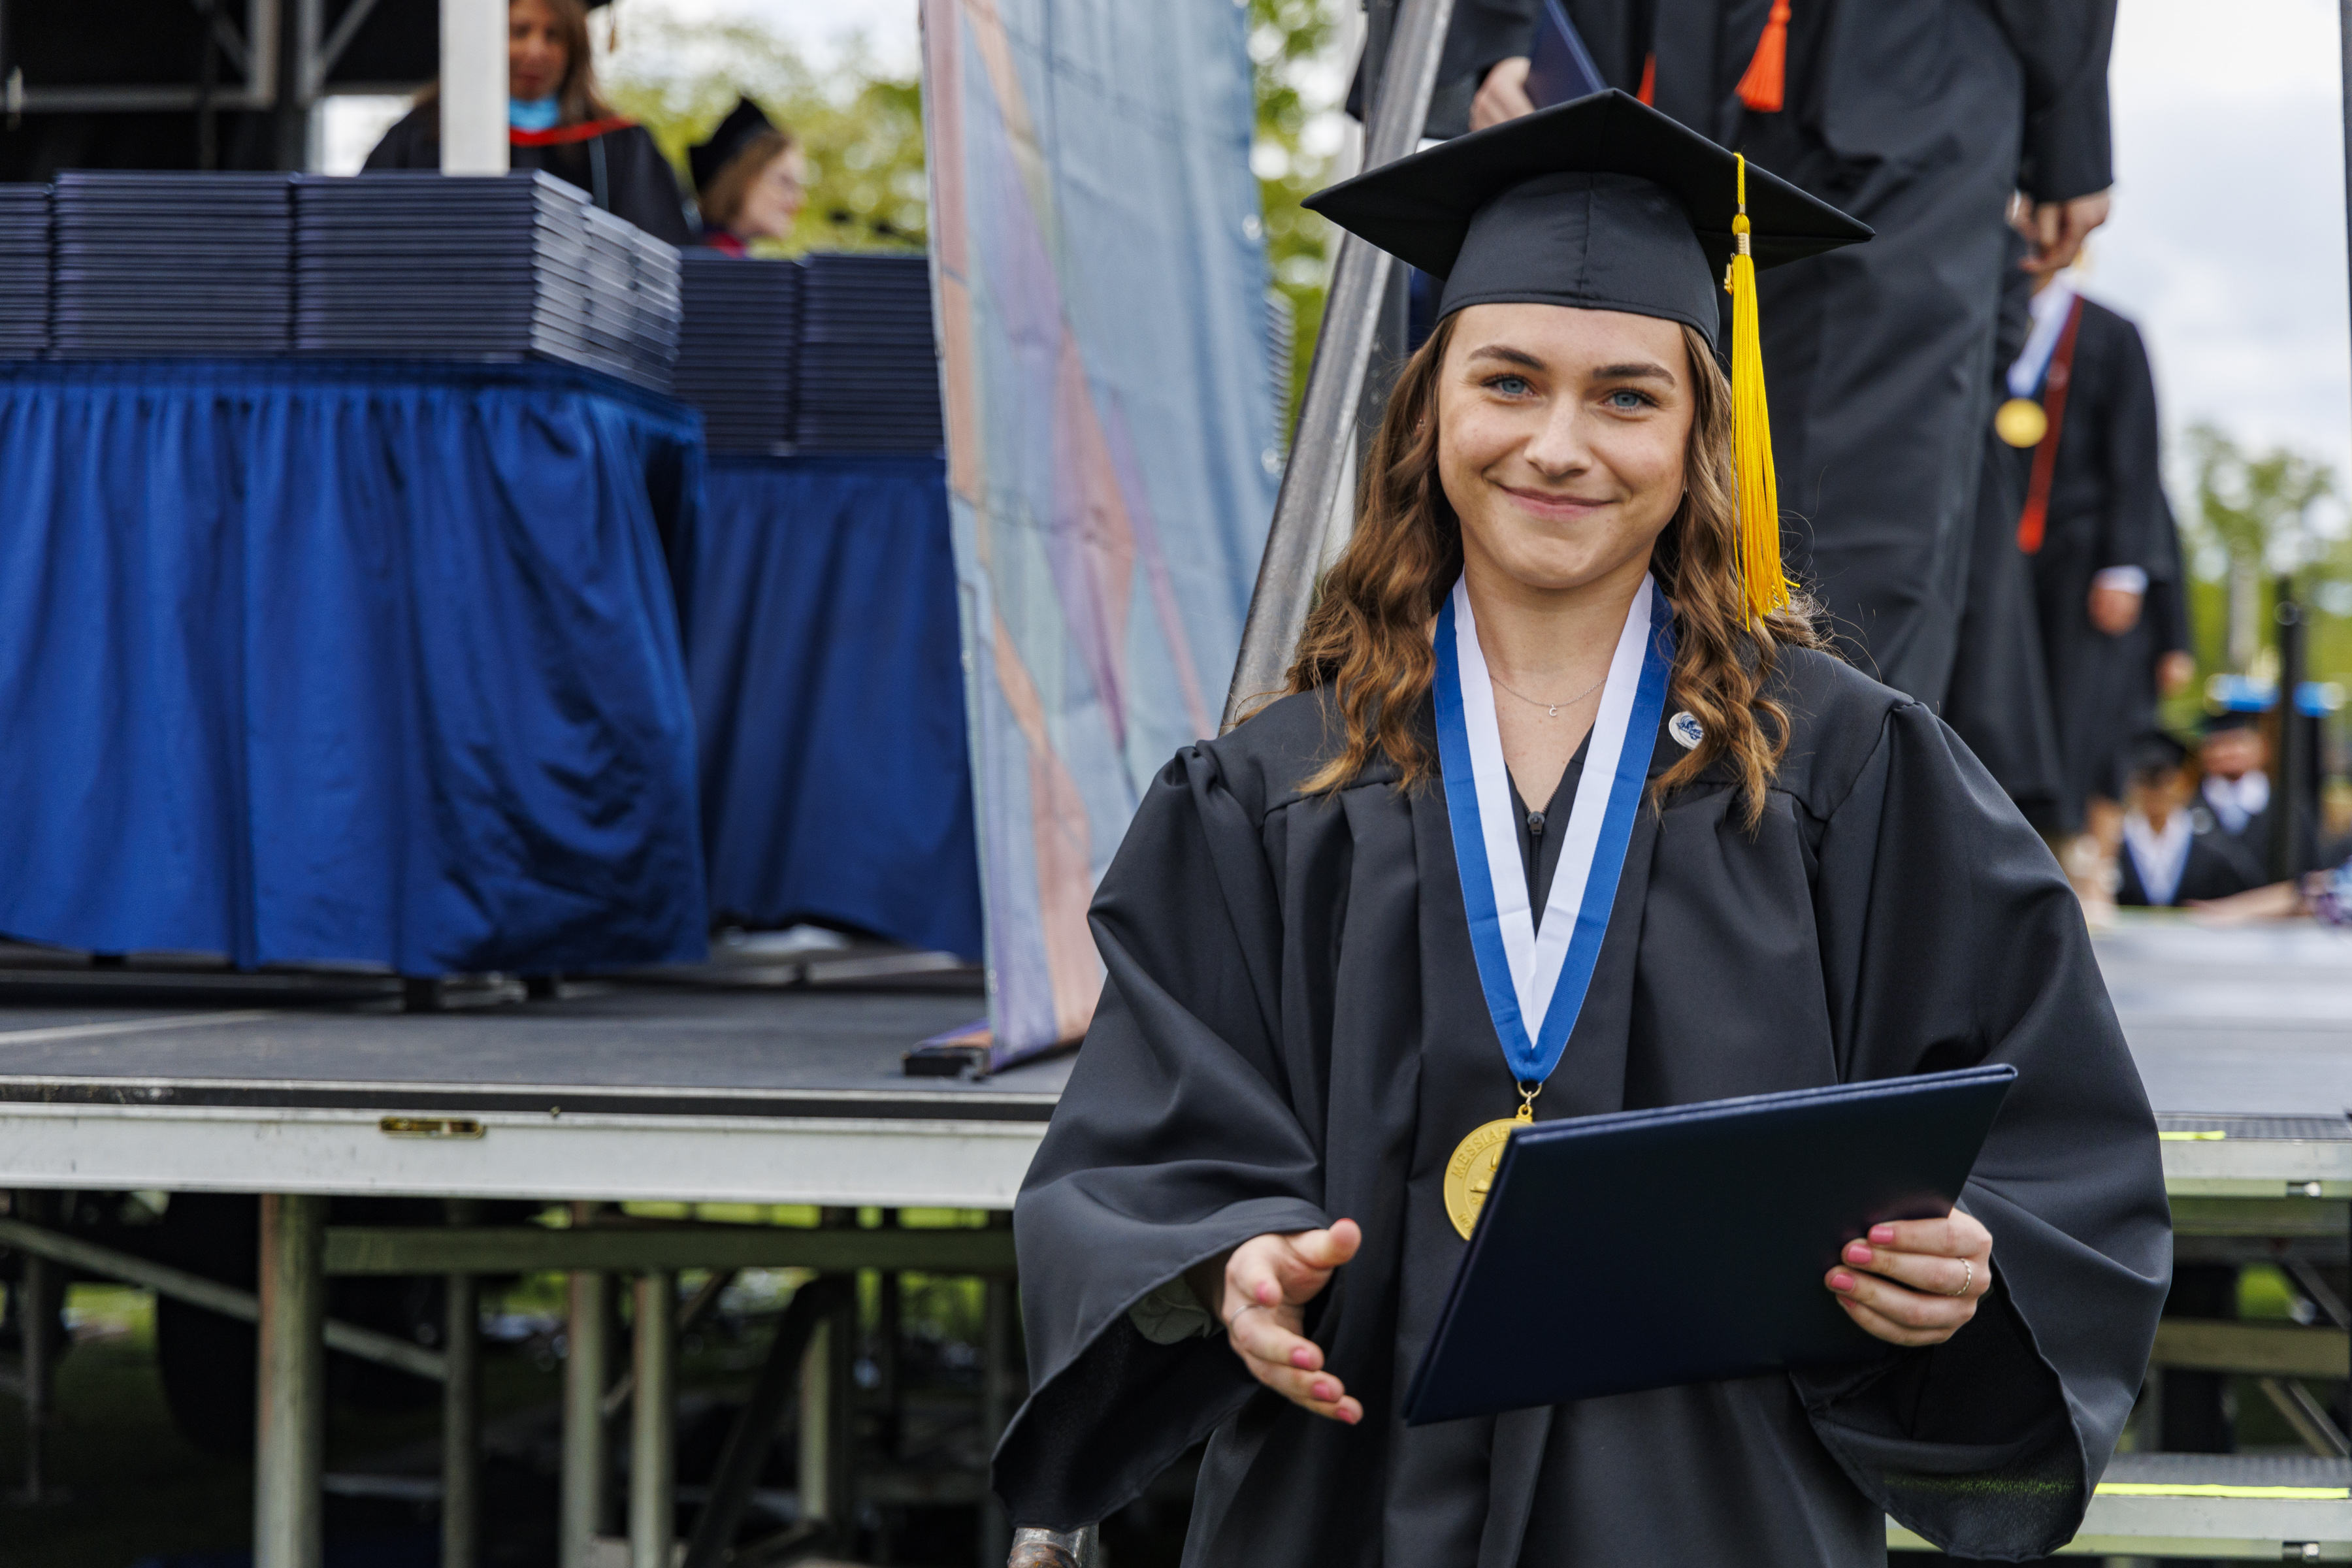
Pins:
<point x="1949" y="939"/>
<point x="1175" y="1140"/>
<point x="2063" y="45"/>
<point x="413" y="143"/>
<point x="2134" y="481"/>
<point x="645" y="186"/>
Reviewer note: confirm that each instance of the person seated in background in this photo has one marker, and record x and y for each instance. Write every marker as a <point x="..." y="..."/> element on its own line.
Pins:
<point x="2235" y="759"/>
<point x="750" y="180"/>
<point x="2172" y="852"/>
<point x="557" y="121"/>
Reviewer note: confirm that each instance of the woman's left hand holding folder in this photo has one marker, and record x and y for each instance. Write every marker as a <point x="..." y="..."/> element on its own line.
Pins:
<point x="1915" y="1281"/>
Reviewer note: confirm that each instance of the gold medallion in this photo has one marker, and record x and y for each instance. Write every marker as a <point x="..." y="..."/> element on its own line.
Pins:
<point x="2021" y="422"/>
<point x="1470" y="1174"/>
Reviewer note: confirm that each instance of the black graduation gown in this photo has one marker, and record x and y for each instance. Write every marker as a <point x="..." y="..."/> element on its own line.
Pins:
<point x="637" y="183"/>
<point x="1292" y="1031"/>
<point x="1999" y="697"/>
<point x="1920" y="119"/>
<point x="2218" y="866"/>
<point x="2106" y="508"/>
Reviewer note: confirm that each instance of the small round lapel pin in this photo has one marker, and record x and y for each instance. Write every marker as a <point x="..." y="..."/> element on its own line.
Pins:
<point x="1686" y="730"/>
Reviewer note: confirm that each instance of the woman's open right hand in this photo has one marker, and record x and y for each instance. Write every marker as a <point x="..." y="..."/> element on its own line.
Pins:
<point x="1258" y="1289"/>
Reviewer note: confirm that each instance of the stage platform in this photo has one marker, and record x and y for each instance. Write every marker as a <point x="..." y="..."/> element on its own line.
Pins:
<point x="752" y="1085"/>
<point x="760" y="1088"/>
<point x="644" y="1092"/>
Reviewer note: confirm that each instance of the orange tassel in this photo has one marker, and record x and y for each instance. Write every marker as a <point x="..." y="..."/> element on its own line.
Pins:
<point x="1649" y="93"/>
<point x="1766" y="85"/>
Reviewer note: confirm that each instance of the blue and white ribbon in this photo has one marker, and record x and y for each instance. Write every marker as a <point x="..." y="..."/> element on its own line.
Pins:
<point x="1526" y="975"/>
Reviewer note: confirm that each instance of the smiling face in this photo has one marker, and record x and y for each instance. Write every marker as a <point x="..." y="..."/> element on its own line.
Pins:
<point x="1562" y="434"/>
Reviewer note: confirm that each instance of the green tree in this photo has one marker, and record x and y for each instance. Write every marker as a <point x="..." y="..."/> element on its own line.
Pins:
<point x="2253" y="510"/>
<point x="1285" y="36"/>
<point x="860" y="128"/>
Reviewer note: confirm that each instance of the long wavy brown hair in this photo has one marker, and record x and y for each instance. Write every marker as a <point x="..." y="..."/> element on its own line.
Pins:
<point x="1367" y="641"/>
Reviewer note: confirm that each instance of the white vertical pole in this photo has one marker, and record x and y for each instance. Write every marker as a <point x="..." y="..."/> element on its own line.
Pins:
<point x="817" y="1394"/>
<point x="653" y="1499"/>
<point x="290" y="1451"/>
<point x="473" y="87"/>
<point x="585" y="1455"/>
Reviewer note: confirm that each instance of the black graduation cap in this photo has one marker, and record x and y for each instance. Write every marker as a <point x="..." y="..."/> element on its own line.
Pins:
<point x="743" y="122"/>
<point x="2156" y="752"/>
<point x="1601" y="203"/>
<point x="2228" y="718"/>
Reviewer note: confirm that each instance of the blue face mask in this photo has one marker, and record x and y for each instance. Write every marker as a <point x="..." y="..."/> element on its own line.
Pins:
<point x="533" y="114"/>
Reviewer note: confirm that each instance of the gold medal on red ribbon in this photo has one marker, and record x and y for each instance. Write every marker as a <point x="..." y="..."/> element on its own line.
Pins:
<point x="2021" y="422"/>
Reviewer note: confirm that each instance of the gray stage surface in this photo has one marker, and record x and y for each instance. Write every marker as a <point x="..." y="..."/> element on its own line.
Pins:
<point x="2250" y="1020"/>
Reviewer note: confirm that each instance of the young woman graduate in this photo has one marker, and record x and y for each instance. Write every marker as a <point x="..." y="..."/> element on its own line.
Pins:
<point x="1564" y="592"/>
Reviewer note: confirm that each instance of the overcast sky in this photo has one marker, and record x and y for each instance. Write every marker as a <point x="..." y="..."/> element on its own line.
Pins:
<point x="2228" y="242"/>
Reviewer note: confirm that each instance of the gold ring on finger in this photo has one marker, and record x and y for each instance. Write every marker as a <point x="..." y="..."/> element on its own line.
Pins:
<point x="1968" y="1281"/>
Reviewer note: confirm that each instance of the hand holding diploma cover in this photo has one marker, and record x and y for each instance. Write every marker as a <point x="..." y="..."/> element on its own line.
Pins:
<point x="1786" y="1181"/>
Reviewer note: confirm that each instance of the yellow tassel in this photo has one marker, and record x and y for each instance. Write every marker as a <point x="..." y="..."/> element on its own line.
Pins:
<point x="1751" y="431"/>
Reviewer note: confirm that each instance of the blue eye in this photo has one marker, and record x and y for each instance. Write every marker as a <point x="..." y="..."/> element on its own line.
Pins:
<point x="1510" y="385"/>
<point x="1625" y="400"/>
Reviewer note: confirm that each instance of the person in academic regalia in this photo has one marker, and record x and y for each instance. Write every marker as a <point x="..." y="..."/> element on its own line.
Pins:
<point x="1922" y="120"/>
<point x="2236" y="789"/>
<point x="2095" y="525"/>
<point x="556" y="120"/>
<point x="1998" y="698"/>
<point x="750" y="180"/>
<point x="1239" y="1226"/>
<point x="2173" y="852"/>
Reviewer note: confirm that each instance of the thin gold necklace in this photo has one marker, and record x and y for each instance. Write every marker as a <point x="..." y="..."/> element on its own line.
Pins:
<point x="1553" y="707"/>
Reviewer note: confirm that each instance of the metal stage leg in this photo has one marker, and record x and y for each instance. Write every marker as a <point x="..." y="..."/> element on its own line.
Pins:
<point x="995" y="1410"/>
<point x="290" y="1448"/>
<point x="652" y="1450"/>
<point x="817" y="1423"/>
<point x="461" y="1416"/>
<point x="748" y="1440"/>
<point x="587" y="1368"/>
<point x="40" y="1292"/>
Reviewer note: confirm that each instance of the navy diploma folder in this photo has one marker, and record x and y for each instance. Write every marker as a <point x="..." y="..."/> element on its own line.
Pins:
<point x="1579" y="1280"/>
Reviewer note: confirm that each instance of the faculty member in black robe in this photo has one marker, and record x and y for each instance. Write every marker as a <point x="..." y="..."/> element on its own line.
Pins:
<point x="1293" y="1032"/>
<point x="573" y="135"/>
<point x="1921" y="120"/>
<point x="2103" y="542"/>
<point x="1998" y="698"/>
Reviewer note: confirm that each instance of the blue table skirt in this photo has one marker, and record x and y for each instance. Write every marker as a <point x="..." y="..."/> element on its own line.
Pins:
<point x="818" y="600"/>
<point x="316" y="661"/>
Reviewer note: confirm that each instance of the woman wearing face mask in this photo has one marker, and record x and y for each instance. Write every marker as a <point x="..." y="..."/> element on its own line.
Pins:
<point x="750" y="180"/>
<point x="1560" y="630"/>
<point x="557" y="121"/>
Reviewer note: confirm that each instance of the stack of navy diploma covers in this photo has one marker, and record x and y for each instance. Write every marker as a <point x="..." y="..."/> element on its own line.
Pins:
<point x="147" y="264"/>
<point x="1557" y="1297"/>
<point x="739" y="348"/>
<point x="426" y="266"/>
<point x="24" y="270"/>
<point x="869" y="373"/>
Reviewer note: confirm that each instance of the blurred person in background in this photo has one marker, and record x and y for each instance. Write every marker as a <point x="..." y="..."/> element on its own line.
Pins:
<point x="2172" y="852"/>
<point x="750" y="180"/>
<point x="1923" y="121"/>
<point x="2081" y="428"/>
<point x="557" y="121"/>
<point x="2235" y="758"/>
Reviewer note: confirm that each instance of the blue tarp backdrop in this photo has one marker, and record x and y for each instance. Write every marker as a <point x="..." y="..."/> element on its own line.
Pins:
<point x="818" y="600"/>
<point x="309" y="662"/>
